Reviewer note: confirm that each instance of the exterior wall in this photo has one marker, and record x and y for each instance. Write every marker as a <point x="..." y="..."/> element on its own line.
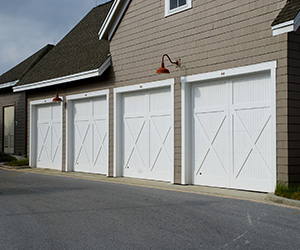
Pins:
<point x="213" y="35"/>
<point x="7" y="98"/>
<point x="294" y="107"/>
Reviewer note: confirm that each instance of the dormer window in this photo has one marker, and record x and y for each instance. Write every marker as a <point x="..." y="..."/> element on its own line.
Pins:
<point x="175" y="6"/>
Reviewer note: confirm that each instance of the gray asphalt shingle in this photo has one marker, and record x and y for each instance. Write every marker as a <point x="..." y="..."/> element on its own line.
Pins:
<point x="17" y="72"/>
<point x="288" y="13"/>
<point x="79" y="51"/>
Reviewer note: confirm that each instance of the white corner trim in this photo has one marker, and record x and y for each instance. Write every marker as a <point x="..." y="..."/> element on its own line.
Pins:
<point x="64" y="79"/>
<point x="8" y="84"/>
<point x="286" y="27"/>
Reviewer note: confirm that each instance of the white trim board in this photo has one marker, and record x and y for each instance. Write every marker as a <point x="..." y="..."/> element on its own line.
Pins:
<point x="113" y="19"/>
<point x="69" y="113"/>
<point x="65" y="79"/>
<point x="186" y="90"/>
<point x="8" y="84"/>
<point x="117" y="119"/>
<point x="286" y="27"/>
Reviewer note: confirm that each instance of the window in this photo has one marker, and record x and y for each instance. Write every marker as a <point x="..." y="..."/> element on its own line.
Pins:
<point x="175" y="6"/>
<point x="9" y="129"/>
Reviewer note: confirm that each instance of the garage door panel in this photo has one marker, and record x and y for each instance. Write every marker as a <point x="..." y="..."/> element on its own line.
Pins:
<point x="252" y="145"/>
<point x="160" y="146"/>
<point x="147" y="134"/>
<point x="135" y="157"/>
<point x="90" y="135"/>
<point x="48" y="136"/>
<point x="211" y="146"/>
<point x="232" y="144"/>
<point x="251" y="89"/>
<point x="209" y="94"/>
<point x="82" y="140"/>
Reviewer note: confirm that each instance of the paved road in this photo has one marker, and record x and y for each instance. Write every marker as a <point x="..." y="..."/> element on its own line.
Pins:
<point x="52" y="212"/>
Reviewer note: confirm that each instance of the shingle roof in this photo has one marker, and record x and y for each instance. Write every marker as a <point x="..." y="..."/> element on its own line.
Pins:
<point x="17" y="72"/>
<point x="288" y="13"/>
<point x="79" y="51"/>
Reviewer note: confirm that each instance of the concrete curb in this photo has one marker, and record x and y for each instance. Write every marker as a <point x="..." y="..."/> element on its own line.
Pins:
<point x="285" y="201"/>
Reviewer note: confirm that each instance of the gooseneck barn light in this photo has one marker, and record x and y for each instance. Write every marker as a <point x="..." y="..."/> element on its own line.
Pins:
<point x="57" y="98"/>
<point x="162" y="69"/>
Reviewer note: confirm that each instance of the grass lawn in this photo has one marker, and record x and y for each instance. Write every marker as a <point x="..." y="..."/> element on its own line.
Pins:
<point x="291" y="191"/>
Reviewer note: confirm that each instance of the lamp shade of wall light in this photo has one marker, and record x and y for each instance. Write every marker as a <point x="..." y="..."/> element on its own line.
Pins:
<point x="57" y="98"/>
<point x="162" y="69"/>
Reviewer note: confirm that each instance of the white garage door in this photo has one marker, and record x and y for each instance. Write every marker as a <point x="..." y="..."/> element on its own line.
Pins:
<point x="232" y="125"/>
<point x="90" y="137"/>
<point x="147" y="135"/>
<point x="49" y="137"/>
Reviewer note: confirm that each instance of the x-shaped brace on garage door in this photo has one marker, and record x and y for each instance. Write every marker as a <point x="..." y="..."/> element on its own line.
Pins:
<point x="211" y="143"/>
<point x="57" y="144"/>
<point x="102" y="143"/>
<point x="135" y="141"/>
<point x="82" y="139"/>
<point x="43" y="148"/>
<point x="254" y="140"/>
<point x="162" y="144"/>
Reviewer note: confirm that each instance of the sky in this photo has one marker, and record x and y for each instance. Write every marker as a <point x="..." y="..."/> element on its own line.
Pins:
<point x="26" y="26"/>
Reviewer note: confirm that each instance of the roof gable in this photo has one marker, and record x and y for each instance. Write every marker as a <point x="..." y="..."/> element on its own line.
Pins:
<point x="288" y="19"/>
<point x="78" y="52"/>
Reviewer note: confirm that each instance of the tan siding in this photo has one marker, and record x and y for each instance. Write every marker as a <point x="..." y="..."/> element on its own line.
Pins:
<point x="211" y="36"/>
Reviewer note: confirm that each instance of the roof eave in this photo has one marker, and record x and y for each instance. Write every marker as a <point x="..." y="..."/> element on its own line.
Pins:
<point x="286" y="27"/>
<point x="113" y="19"/>
<point x="65" y="79"/>
<point x="8" y="84"/>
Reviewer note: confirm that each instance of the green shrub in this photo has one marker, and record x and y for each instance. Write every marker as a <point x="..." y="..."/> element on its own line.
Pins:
<point x="291" y="191"/>
<point x="15" y="163"/>
<point x="6" y="158"/>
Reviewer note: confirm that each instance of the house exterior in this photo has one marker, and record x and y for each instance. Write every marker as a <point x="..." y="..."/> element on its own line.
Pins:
<point x="233" y="104"/>
<point x="13" y="106"/>
<point x="227" y="116"/>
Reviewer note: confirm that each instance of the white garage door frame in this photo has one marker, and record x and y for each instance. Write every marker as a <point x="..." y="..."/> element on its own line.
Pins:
<point x="186" y="93"/>
<point x="118" y="96"/>
<point x="33" y="130"/>
<point x="69" y="114"/>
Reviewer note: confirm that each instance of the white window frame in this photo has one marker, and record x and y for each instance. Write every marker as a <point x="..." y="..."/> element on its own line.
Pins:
<point x="169" y="12"/>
